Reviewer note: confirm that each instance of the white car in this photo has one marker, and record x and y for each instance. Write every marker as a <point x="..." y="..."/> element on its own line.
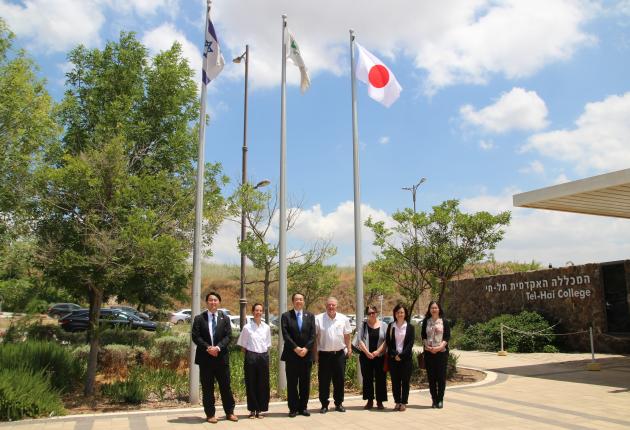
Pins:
<point x="181" y="316"/>
<point x="236" y="321"/>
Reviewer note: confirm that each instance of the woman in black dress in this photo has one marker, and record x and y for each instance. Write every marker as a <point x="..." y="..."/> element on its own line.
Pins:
<point x="435" y="336"/>
<point x="370" y="339"/>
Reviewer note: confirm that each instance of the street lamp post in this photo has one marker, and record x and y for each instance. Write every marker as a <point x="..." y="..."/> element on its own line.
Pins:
<point x="413" y="190"/>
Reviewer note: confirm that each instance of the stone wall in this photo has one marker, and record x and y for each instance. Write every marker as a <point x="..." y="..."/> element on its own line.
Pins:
<point x="571" y="296"/>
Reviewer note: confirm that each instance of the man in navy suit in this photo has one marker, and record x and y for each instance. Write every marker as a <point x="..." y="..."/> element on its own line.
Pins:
<point x="211" y="332"/>
<point x="298" y="332"/>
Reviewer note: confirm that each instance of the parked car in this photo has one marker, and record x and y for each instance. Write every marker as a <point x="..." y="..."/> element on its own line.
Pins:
<point x="61" y="309"/>
<point x="79" y="320"/>
<point x="235" y="320"/>
<point x="181" y="316"/>
<point x="133" y="311"/>
<point x="417" y="319"/>
<point x="387" y="319"/>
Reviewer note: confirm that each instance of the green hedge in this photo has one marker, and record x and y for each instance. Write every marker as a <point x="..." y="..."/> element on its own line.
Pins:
<point x="49" y="357"/>
<point x="487" y="336"/>
<point x="27" y="394"/>
<point x="170" y="350"/>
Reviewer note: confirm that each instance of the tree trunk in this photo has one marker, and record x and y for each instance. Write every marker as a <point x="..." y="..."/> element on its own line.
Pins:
<point x="266" y="294"/>
<point x="443" y="282"/>
<point x="96" y="300"/>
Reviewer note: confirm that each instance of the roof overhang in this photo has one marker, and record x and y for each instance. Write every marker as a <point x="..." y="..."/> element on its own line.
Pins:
<point x="606" y="195"/>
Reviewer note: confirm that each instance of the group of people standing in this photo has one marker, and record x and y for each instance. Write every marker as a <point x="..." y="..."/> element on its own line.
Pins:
<point x="324" y="339"/>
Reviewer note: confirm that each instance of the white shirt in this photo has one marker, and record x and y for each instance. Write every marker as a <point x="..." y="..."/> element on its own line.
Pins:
<point x="330" y="332"/>
<point x="255" y="338"/>
<point x="399" y="334"/>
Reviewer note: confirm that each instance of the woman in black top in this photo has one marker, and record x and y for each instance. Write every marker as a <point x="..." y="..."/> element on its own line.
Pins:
<point x="435" y="336"/>
<point x="370" y="339"/>
<point x="399" y="339"/>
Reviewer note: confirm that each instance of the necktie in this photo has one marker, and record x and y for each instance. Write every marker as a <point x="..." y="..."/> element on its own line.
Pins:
<point x="299" y="320"/>
<point x="214" y="326"/>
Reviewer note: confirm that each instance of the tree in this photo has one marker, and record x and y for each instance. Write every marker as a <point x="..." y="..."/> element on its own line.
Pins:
<point x="314" y="281"/>
<point x="26" y="126"/>
<point x="450" y="239"/>
<point x="261" y="209"/>
<point x="117" y="196"/>
<point x="400" y="257"/>
<point x="375" y="284"/>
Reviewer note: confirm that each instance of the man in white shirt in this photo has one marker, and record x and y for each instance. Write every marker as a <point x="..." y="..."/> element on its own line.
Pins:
<point x="333" y="348"/>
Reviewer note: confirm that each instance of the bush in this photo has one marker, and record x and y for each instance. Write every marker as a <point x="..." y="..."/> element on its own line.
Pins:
<point x="49" y="357"/>
<point x="125" y="336"/>
<point x="31" y="328"/>
<point x="550" y="349"/>
<point x="164" y="382"/>
<point x="170" y="351"/>
<point x="132" y="390"/>
<point x="487" y="336"/>
<point x="27" y="394"/>
<point x="36" y="306"/>
<point x="451" y="366"/>
<point x="119" y="359"/>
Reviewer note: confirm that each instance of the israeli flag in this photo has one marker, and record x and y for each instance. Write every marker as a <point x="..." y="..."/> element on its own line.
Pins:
<point x="213" y="61"/>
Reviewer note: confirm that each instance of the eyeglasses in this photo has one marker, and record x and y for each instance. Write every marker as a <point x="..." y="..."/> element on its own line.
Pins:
<point x="371" y="313"/>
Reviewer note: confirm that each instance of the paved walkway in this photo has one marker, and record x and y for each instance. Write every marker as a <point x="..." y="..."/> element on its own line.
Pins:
<point x="521" y="391"/>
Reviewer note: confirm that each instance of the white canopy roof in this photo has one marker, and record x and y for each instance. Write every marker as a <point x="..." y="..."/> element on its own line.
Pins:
<point x="607" y="195"/>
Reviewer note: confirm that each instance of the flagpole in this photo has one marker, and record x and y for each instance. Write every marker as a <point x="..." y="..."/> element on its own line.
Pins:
<point x="358" y="260"/>
<point x="282" y="293"/>
<point x="196" y="285"/>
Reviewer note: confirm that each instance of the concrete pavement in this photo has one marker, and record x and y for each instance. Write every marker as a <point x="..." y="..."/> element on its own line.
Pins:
<point x="521" y="391"/>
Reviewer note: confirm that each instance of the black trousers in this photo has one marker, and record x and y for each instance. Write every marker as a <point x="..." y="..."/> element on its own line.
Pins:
<point x="219" y="371"/>
<point x="400" y="372"/>
<point x="373" y="375"/>
<point x="256" y="368"/>
<point x="331" y="367"/>
<point x="436" y="373"/>
<point x="298" y="371"/>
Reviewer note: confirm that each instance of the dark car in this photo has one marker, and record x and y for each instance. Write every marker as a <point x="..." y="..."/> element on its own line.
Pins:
<point x="133" y="311"/>
<point x="79" y="320"/>
<point x="61" y="309"/>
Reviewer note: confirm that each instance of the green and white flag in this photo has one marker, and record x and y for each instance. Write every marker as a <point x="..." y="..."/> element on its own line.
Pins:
<point x="293" y="54"/>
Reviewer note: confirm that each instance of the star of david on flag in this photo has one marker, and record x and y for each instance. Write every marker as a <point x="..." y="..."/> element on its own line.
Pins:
<point x="213" y="61"/>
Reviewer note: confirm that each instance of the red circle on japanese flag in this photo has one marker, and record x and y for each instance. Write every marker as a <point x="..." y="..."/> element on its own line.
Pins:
<point x="378" y="76"/>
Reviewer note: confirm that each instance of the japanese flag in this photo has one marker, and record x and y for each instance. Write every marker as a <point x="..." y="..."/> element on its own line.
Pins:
<point x="382" y="84"/>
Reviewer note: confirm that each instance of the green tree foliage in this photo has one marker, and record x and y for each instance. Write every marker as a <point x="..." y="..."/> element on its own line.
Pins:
<point x="26" y="126"/>
<point x="450" y="239"/>
<point x="314" y="281"/>
<point x="375" y="284"/>
<point x="399" y="261"/>
<point x="117" y="195"/>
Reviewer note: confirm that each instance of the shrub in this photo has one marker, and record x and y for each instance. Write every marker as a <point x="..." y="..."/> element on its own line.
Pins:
<point x="457" y="331"/>
<point x="125" y="336"/>
<point x="132" y="391"/>
<point x="30" y="328"/>
<point x="118" y="359"/>
<point x="170" y="351"/>
<point x="164" y="381"/>
<point x="550" y="349"/>
<point x="25" y="393"/>
<point x="36" y="306"/>
<point x="451" y="366"/>
<point x="487" y="336"/>
<point x="55" y="360"/>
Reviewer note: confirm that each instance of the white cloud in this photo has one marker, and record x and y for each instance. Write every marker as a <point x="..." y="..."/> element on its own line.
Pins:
<point x="162" y="37"/>
<point x="486" y="145"/>
<point x="518" y="109"/>
<point x="54" y="25"/>
<point x="454" y="41"/>
<point x="144" y="7"/>
<point x="560" y="179"/>
<point x="224" y="244"/>
<point x="598" y="142"/>
<point x="384" y="140"/>
<point x="535" y="167"/>
<point x="554" y="237"/>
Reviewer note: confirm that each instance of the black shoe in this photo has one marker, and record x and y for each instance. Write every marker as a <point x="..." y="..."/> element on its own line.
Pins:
<point x="440" y="405"/>
<point x="433" y="405"/>
<point x="323" y="410"/>
<point x="340" y="408"/>
<point x="292" y="414"/>
<point x="305" y="413"/>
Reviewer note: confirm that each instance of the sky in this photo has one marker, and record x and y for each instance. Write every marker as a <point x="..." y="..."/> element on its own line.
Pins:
<point x="499" y="97"/>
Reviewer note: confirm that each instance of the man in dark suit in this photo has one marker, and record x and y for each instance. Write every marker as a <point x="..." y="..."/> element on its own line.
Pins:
<point x="298" y="332"/>
<point x="211" y="332"/>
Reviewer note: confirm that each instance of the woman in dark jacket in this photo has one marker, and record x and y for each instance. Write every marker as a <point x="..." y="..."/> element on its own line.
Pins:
<point x="370" y="339"/>
<point x="435" y="336"/>
<point x="399" y="339"/>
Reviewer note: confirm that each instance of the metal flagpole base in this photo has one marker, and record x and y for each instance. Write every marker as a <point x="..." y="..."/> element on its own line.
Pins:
<point x="502" y="353"/>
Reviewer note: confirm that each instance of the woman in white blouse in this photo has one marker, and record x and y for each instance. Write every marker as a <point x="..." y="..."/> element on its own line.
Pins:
<point x="399" y="339"/>
<point x="435" y="336"/>
<point x="255" y="340"/>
